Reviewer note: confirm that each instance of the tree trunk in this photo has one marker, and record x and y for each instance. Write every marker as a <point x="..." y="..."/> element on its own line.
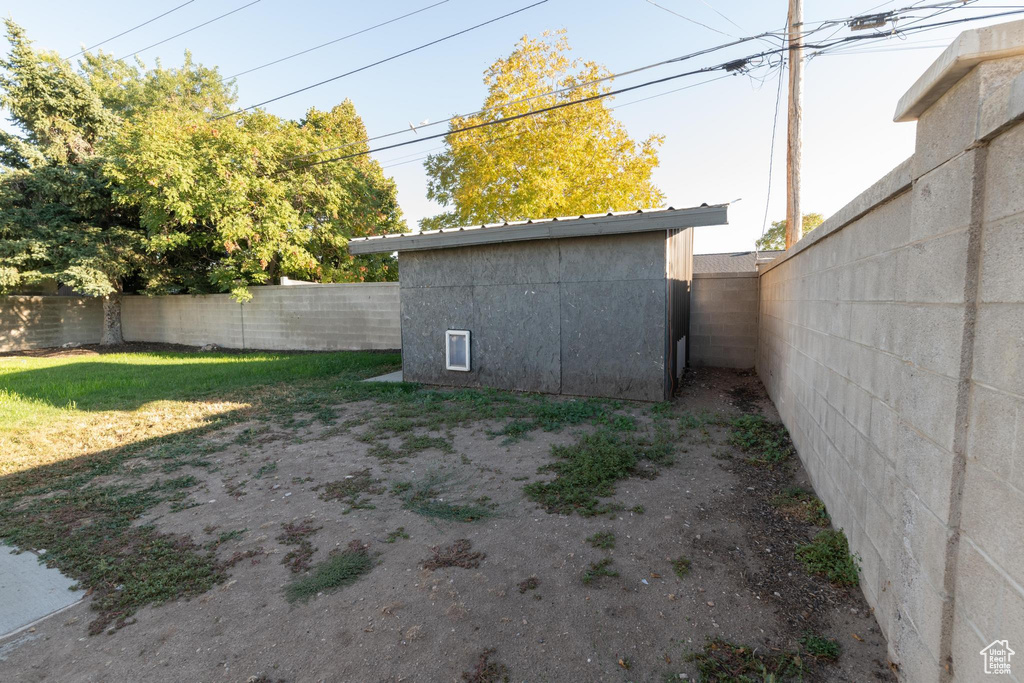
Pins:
<point x="112" y="320"/>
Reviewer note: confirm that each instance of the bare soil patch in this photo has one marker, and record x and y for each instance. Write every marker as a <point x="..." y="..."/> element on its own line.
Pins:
<point x="434" y="563"/>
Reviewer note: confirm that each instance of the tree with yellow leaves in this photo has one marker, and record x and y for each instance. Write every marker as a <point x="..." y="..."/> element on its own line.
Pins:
<point x="568" y="161"/>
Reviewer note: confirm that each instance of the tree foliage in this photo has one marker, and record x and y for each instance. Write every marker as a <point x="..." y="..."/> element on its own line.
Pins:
<point x="56" y="215"/>
<point x="573" y="160"/>
<point x="774" y="238"/>
<point x="122" y="177"/>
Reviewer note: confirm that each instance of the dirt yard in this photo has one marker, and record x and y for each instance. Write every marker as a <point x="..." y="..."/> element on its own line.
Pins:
<point x="374" y="544"/>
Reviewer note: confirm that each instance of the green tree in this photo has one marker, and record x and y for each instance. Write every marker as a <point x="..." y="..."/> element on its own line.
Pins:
<point x="240" y="192"/>
<point x="122" y="179"/>
<point x="775" y="237"/>
<point x="56" y="214"/>
<point x="568" y="161"/>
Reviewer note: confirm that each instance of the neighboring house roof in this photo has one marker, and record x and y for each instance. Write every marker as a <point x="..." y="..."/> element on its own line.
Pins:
<point x="644" y="220"/>
<point x="732" y="262"/>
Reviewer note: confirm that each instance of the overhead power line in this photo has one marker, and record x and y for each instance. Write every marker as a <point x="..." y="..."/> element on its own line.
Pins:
<point x="762" y="36"/>
<point x="692" y="21"/>
<point x="533" y="112"/>
<point x="198" y="26"/>
<point x="712" y="8"/>
<point x="423" y="154"/>
<point x="336" y="40"/>
<point x="123" y="33"/>
<point x="771" y="156"/>
<point x="730" y="66"/>
<point x="550" y="93"/>
<point x="381" y="61"/>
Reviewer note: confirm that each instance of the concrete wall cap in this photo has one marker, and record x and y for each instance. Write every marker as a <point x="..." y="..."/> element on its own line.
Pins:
<point x="968" y="50"/>
<point x="723" y="276"/>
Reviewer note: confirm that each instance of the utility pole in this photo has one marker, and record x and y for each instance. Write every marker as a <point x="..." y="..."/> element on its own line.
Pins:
<point x="794" y="218"/>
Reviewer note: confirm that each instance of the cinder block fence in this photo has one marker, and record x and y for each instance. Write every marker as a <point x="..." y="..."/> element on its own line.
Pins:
<point x="334" y="317"/>
<point x="723" y="320"/>
<point x="892" y="342"/>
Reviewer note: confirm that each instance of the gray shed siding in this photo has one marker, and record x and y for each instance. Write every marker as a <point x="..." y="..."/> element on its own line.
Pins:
<point x="583" y="316"/>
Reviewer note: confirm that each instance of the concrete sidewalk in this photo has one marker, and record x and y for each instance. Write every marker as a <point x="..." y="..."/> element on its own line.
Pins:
<point x="30" y="591"/>
<point x="395" y="376"/>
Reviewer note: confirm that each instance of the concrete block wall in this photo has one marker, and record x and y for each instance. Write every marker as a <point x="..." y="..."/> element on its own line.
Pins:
<point x="332" y="317"/>
<point x="892" y="342"/>
<point x="183" y="319"/>
<point x="37" y="322"/>
<point x="723" y="320"/>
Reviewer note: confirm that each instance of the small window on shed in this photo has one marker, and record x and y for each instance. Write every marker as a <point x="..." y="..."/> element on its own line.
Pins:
<point x="456" y="350"/>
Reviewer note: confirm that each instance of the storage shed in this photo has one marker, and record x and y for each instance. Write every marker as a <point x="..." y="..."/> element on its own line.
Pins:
<point x="591" y="306"/>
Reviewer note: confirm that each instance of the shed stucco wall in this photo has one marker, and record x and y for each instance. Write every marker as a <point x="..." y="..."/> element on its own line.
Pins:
<point x="583" y="316"/>
<point x="892" y="342"/>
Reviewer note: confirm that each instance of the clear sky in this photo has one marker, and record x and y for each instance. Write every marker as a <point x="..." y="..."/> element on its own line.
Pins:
<point x="718" y="135"/>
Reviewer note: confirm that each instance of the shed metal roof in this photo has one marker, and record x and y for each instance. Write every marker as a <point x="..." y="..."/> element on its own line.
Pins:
<point x="623" y="222"/>
<point x="732" y="262"/>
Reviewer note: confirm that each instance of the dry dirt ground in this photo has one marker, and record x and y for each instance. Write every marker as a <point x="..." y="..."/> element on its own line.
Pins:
<point x="404" y="622"/>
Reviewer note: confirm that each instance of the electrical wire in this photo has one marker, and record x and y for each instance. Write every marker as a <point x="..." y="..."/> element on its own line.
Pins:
<point x="123" y="33"/>
<point x="771" y="161"/>
<point x="550" y="93"/>
<point x="198" y="26"/>
<point x="692" y="21"/>
<point x="336" y="40"/>
<point x="380" y="61"/>
<point x="734" y="65"/>
<point x="762" y="36"/>
<point x="712" y="8"/>
<point x="423" y="154"/>
<point x="516" y="117"/>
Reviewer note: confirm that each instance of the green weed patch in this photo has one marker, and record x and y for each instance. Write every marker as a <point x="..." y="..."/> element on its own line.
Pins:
<point x="829" y="555"/>
<point x="802" y="505"/>
<point x="597" y="570"/>
<point x="340" y="569"/>
<point x="430" y="497"/>
<point x="588" y="470"/>
<point x="767" y="442"/>
<point x="603" y="539"/>
<point x="722" y="661"/>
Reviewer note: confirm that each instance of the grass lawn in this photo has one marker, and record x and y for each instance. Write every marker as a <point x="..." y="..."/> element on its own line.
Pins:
<point x="57" y="409"/>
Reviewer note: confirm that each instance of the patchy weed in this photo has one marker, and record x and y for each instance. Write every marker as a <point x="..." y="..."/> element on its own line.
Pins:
<point x="588" y="470"/>
<point x="821" y="647"/>
<point x="486" y="670"/>
<point x="829" y="555"/>
<point x="424" y="497"/>
<point x="802" y="505"/>
<point x="598" y="570"/>
<point x="529" y="584"/>
<point x="298" y="534"/>
<point x="725" y="661"/>
<point x="340" y="569"/>
<point x="350" y="490"/>
<point x="264" y="470"/>
<point x="458" y="554"/>
<point x="411" y="446"/>
<point x="602" y="539"/>
<point x="768" y="442"/>
<point x="681" y="566"/>
<point x="396" y="534"/>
